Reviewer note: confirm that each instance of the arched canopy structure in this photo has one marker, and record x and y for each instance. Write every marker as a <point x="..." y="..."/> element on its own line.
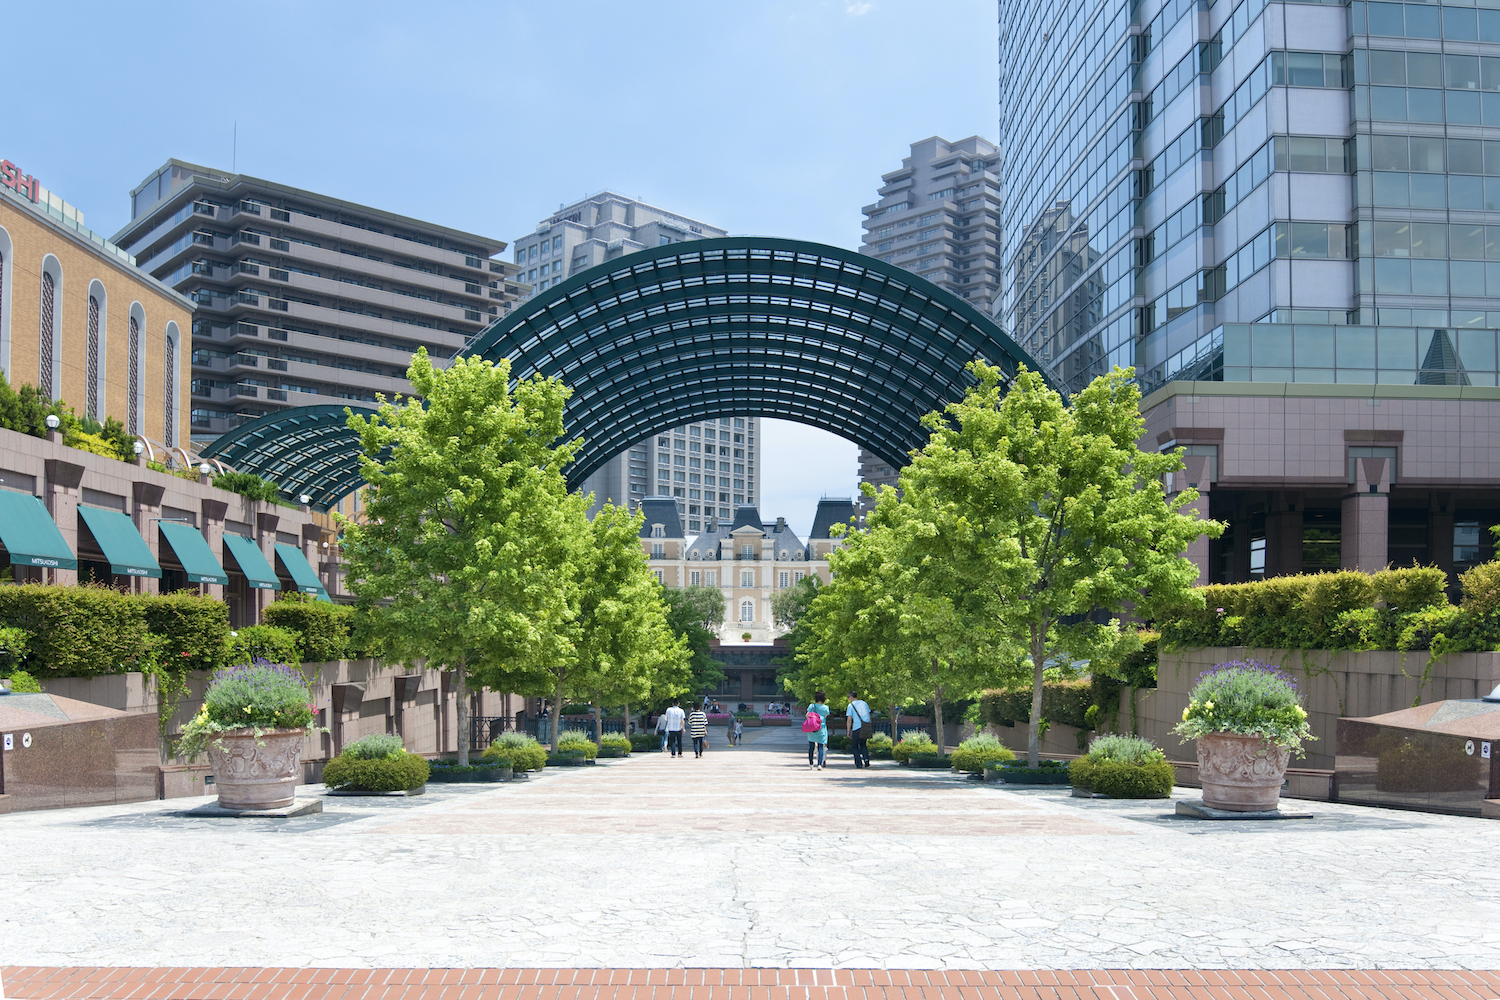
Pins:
<point x="751" y="326"/>
<point x="663" y="337"/>
<point x="307" y="451"/>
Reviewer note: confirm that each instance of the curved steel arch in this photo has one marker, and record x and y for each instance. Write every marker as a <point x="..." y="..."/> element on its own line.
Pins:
<point x="663" y="337"/>
<point x="309" y="450"/>
<point x="751" y="326"/>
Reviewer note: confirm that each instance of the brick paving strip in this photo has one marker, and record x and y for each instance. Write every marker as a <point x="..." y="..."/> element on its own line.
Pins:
<point x="40" y="983"/>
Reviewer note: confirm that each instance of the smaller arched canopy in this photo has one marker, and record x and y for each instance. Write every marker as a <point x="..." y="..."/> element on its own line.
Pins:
<point x="308" y="451"/>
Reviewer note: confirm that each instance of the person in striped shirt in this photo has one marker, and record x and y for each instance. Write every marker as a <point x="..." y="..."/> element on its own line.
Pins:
<point x="697" y="725"/>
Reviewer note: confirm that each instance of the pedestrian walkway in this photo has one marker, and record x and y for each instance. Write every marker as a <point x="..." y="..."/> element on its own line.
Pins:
<point x="733" y="984"/>
<point x="746" y="859"/>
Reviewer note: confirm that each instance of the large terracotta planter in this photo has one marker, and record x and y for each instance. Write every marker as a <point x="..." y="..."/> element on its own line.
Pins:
<point x="1241" y="773"/>
<point x="256" y="772"/>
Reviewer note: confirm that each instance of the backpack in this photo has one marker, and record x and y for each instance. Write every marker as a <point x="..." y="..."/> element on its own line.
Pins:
<point x="813" y="722"/>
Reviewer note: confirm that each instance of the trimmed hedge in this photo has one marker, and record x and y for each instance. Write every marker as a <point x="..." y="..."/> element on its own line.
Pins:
<point x="387" y="774"/>
<point x="616" y="741"/>
<point x="84" y="631"/>
<point x="1063" y="702"/>
<point x="263" y="642"/>
<point x="1121" y="779"/>
<point x="523" y="752"/>
<point x="321" y="630"/>
<point x="642" y="742"/>
<point x="193" y="628"/>
<point x="976" y="752"/>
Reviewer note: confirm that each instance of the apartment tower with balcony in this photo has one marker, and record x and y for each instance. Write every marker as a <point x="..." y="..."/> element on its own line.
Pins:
<point x="303" y="299"/>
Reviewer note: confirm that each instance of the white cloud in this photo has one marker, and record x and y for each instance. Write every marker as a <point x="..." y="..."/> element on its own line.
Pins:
<point x="857" y="9"/>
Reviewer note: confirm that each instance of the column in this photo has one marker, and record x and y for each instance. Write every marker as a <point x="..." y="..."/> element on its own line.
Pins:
<point x="1366" y="517"/>
<point x="213" y="533"/>
<point x="312" y="536"/>
<point x="145" y="510"/>
<point x="1195" y="475"/>
<point x="61" y="495"/>
<point x="265" y="537"/>
<point x="1283" y="534"/>
<point x="1440" y="534"/>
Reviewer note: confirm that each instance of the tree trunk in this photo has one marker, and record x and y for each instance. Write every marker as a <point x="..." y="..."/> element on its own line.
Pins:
<point x="461" y="695"/>
<point x="598" y="720"/>
<point x="1038" y="660"/>
<point x="937" y="718"/>
<point x="557" y="713"/>
<point x="894" y="734"/>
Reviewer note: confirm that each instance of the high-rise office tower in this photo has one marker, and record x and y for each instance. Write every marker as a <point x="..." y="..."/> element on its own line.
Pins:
<point x="302" y="298"/>
<point x="709" y="466"/>
<point x="1177" y="170"/>
<point x="938" y="216"/>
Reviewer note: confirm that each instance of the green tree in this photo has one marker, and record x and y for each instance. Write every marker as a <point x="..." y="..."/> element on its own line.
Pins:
<point x="1051" y="515"/>
<point x="694" y="614"/>
<point x="623" y="639"/>
<point x="464" y="556"/>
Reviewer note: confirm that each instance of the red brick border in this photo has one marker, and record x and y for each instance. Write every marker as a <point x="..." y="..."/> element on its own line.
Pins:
<point x="39" y="983"/>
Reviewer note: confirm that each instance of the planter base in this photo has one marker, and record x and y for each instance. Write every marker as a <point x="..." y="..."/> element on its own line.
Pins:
<point x="419" y="790"/>
<point x="1197" y="810"/>
<point x="301" y="807"/>
<point x="1084" y="793"/>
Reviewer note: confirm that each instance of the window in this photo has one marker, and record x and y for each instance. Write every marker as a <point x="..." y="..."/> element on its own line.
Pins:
<point x="747" y="611"/>
<point x="531" y="252"/>
<point x="797" y="576"/>
<point x="91" y="372"/>
<point x="710" y="578"/>
<point x="133" y="378"/>
<point x="48" y="334"/>
<point x="784" y="579"/>
<point x="658" y="550"/>
<point x="1465" y="541"/>
<point x="695" y="578"/>
<point x="658" y="531"/>
<point x="663" y="241"/>
<point x="747" y="578"/>
<point x="747" y="551"/>
<point x="661" y="577"/>
<point x="557" y="243"/>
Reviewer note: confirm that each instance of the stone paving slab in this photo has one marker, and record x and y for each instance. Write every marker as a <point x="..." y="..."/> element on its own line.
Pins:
<point x="732" y="984"/>
<point x="747" y="859"/>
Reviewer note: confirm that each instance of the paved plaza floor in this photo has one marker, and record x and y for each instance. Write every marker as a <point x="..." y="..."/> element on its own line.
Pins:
<point x="746" y="859"/>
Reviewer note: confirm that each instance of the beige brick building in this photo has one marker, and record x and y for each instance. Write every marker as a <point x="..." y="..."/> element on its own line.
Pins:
<point x="80" y="322"/>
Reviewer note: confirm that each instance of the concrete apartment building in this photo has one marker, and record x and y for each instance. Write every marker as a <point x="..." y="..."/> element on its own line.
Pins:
<point x="1283" y="215"/>
<point x="749" y="560"/>
<point x="708" y="467"/>
<point x="302" y="298"/>
<point x="82" y="323"/>
<point x="938" y="216"/>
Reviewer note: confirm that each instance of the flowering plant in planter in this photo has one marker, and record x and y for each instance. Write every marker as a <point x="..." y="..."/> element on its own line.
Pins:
<point x="1247" y="698"/>
<point x="260" y="696"/>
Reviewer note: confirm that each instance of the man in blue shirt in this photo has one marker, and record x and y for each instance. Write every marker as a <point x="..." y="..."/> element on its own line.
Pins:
<point x="860" y="729"/>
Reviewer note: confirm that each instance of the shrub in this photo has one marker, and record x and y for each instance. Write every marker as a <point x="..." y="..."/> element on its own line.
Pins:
<point x="375" y="746"/>
<point x="645" y="741"/>
<point x="977" y="751"/>
<point x="1481" y="589"/>
<point x="747" y="715"/>
<point x="1249" y="698"/>
<point x="617" y="741"/>
<point x="82" y="631"/>
<point x="881" y="742"/>
<point x="263" y="642"/>
<point x="193" y="629"/>
<point x="578" y="710"/>
<point x="321" y="630"/>
<point x="576" y="740"/>
<point x="1065" y="702"/>
<point x="251" y="487"/>
<point x="913" y="741"/>
<point x="1332" y="594"/>
<point x="398" y="773"/>
<point x="839" y="744"/>
<point x="13" y="648"/>
<point x="1123" y="767"/>
<point x="257" y="696"/>
<point x="523" y="752"/>
<point x="23" y="683"/>
<point x="1412" y="588"/>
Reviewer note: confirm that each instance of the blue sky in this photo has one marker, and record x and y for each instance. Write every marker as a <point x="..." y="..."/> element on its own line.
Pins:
<point x="772" y="117"/>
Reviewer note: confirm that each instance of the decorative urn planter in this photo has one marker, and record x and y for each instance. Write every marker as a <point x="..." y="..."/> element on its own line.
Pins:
<point x="256" y="772"/>
<point x="1241" y="773"/>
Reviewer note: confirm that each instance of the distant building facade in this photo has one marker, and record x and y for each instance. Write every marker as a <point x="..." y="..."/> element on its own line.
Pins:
<point x="749" y="560"/>
<point x="82" y="323"/>
<point x="938" y="216"/>
<point x="302" y="298"/>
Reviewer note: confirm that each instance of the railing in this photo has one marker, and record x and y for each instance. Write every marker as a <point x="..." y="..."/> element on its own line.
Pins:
<point x="246" y="268"/>
<point x="275" y="333"/>
<point x="485" y="729"/>
<point x="278" y="304"/>
<point x="472" y="315"/>
<point x="280" y="215"/>
<point x="246" y="330"/>
<point x="247" y="360"/>
<point x="204" y="208"/>
<point x="748" y="557"/>
<point x="278" y="274"/>
<point x="248" y="207"/>
<point x="246" y="390"/>
<point x="280" y="245"/>
<point x="276" y="364"/>
<point x="248" y="298"/>
<point x="277" y="394"/>
<point x="471" y="288"/>
<point x="244" y="237"/>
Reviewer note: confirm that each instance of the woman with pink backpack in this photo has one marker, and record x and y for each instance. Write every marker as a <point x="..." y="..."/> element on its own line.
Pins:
<point x="815" y="725"/>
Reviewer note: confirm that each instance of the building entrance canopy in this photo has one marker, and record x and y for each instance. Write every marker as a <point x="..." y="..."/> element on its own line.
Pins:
<point x="656" y="339"/>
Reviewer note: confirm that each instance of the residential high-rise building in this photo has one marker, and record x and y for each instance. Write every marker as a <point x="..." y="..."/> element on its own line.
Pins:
<point x="938" y="216"/>
<point x="709" y="466"/>
<point x="1284" y="215"/>
<point x="302" y="298"/>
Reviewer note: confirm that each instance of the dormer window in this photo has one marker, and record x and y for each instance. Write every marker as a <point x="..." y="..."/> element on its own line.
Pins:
<point x="658" y="531"/>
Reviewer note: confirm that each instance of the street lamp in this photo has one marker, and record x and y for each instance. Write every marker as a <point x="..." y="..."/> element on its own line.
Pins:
<point x="205" y="469"/>
<point x="138" y="448"/>
<point x="52" y="422"/>
<point x="304" y="499"/>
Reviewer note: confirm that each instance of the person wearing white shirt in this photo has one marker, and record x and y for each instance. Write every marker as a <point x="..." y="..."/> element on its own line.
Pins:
<point x="860" y="729"/>
<point x="675" y="717"/>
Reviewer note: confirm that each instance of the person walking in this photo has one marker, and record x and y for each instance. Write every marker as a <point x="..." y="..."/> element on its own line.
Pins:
<point x="739" y="731"/>
<point x="675" y="717"/>
<point x="815" y="725"/>
<point x="661" y="729"/>
<point x="697" y="725"/>
<point x="860" y="729"/>
<point x="729" y="730"/>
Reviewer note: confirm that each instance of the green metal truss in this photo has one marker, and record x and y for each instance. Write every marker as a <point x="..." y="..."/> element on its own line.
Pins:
<point x="707" y="328"/>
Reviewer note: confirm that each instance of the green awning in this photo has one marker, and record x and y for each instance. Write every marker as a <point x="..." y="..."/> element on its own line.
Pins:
<point x="193" y="552"/>
<point x="301" y="570"/>
<point x="251" y="562"/>
<point x="29" y="535"/>
<point x="121" y="544"/>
